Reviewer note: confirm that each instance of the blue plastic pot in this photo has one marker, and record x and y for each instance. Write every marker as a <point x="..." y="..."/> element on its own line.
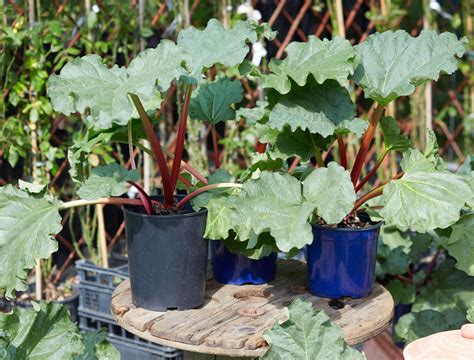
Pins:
<point x="341" y="261"/>
<point x="236" y="269"/>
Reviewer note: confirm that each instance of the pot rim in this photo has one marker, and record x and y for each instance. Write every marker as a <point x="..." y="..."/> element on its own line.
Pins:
<point x="176" y="216"/>
<point x="371" y="227"/>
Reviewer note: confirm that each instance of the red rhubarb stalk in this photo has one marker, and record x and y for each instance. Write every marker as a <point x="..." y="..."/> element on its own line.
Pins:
<point x="159" y="156"/>
<point x="205" y="188"/>
<point x="178" y="154"/>
<point x="342" y="151"/>
<point x="144" y="198"/>
<point x="215" y="146"/>
<point x="371" y="172"/>
<point x="364" y="146"/>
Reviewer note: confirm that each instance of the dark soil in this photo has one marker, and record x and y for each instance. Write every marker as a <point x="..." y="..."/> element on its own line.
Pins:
<point x="159" y="210"/>
<point x="350" y="221"/>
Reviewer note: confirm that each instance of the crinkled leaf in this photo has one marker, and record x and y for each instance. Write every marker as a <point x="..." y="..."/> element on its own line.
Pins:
<point x="470" y="312"/>
<point x="78" y="153"/>
<point x="301" y="143"/>
<point x="308" y="334"/>
<point x="322" y="109"/>
<point x="87" y="84"/>
<point x="392" y="64"/>
<point x="252" y="115"/>
<point x="216" y="45"/>
<point x="32" y="188"/>
<point x="422" y="201"/>
<point x="264" y="29"/>
<point x="277" y="78"/>
<point x="261" y="162"/>
<point x="107" y="180"/>
<point x="331" y="191"/>
<point x="256" y="247"/>
<point x="450" y="293"/>
<point x="42" y="332"/>
<point x="323" y="59"/>
<point x="432" y="151"/>
<point x="272" y="203"/>
<point x="212" y="101"/>
<point x="414" y="160"/>
<point x="28" y="223"/>
<point x="461" y="244"/>
<point x="392" y="137"/>
<point x="218" y="223"/>
<point x="467" y="167"/>
<point x="416" y="325"/>
<point x="96" y="347"/>
<point x="219" y="176"/>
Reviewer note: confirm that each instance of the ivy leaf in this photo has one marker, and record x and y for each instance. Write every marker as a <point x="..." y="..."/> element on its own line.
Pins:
<point x="308" y="334"/>
<point x="212" y="101"/>
<point x="450" y="293"/>
<point x="392" y="64"/>
<point x="272" y="203"/>
<point x="424" y="200"/>
<point x="27" y="228"/>
<point x="96" y="347"/>
<point x="43" y="332"/>
<point x="331" y="191"/>
<point x="323" y="59"/>
<point x="322" y="109"/>
<point x="461" y="244"/>
<point x="216" y="45"/>
<point x="87" y="84"/>
<point x="392" y="137"/>
<point x="107" y="180"/>
<point x="402" y="294"/>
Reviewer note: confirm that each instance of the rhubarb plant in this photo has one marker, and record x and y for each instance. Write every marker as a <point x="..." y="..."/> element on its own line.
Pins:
<point x="310" y="111"/>
<point x="116" y="104"/>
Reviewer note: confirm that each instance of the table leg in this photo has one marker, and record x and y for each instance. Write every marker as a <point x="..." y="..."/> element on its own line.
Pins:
<point x="197" y="356"/>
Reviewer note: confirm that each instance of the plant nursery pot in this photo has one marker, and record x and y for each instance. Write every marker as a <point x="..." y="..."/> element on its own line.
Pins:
<point x="167" y="257"/>
<point x="341" y="261"/>
<point x="236" y="269"/>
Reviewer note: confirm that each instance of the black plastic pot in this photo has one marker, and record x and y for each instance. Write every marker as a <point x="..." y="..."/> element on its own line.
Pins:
<point x="167" y="256"/>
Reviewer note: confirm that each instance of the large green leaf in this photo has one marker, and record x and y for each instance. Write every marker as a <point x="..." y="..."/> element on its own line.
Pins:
<point x="461" y="243"/>
<point x="300" y="143"/>
<point x="322" y="109"/>
<point x="323" y="59"/>
<point x="212" y="101"/>
<point x="42" y="333"/>
<point x="272" y="203"/>
<point x="424" y="199"/>
<point x="107" y="180"/>
<point x="449" y="294"/>
<point x="28" y="223"/>
<point x="216" y="45"/>
<point x="392" y="137"/>
<point x="253" y="115"/>
<point x="392" y="64"/>
<point x="308" y="334"/>
<point x="331" y="192"/>
<point x="416" y="325"/>
<point x="87" y="85"/>
<point x="261" y="162"/>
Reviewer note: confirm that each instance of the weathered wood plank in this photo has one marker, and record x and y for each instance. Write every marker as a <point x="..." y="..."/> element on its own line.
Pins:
<point x="233" y="319"/>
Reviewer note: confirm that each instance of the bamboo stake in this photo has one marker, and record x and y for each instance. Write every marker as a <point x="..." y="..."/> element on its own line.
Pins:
<point x="340" y="19"/>
<point x="101" y="235"/>
<point x="428" y="88"/>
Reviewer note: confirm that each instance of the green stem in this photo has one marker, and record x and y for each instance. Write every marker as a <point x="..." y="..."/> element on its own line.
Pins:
<point x="205" y="188"/>
<point x="319" y="157"/>
<point x="105" y="201"/>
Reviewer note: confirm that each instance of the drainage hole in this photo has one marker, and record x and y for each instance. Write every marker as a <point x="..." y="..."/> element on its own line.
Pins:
<point x="336" y="304"/>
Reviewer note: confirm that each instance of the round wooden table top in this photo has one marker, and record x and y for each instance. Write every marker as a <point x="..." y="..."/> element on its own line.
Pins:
<point x="233" y="318"/>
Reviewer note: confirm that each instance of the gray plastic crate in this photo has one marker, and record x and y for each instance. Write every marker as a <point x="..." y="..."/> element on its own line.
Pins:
<point x="131" y="347"/>
<point x="96" y="286"/>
